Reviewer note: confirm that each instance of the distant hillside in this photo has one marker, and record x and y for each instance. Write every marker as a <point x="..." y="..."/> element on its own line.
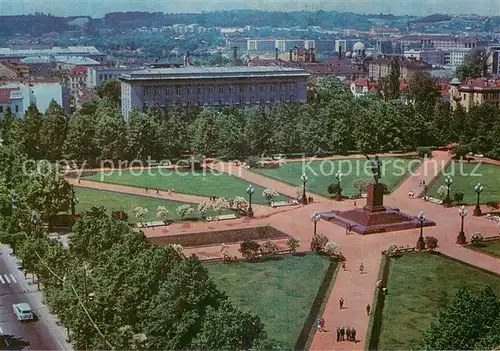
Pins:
<point x="34" y="25"/>
<point x="432" y="19"/>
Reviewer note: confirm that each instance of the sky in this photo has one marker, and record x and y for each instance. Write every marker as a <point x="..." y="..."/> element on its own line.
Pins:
<point x="97" y="8"/>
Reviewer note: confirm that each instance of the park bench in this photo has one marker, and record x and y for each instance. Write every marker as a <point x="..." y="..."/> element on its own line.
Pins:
<point x="433" y="200"/>
<point x="211" y="259"/>
<point x="151" y="224"/>
<point x="222" y="217"/>
<point x="284" y="203"/>
<point x="492" y="218"/>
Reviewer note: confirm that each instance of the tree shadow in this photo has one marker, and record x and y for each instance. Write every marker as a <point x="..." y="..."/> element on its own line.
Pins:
<point x="9" y="342"/>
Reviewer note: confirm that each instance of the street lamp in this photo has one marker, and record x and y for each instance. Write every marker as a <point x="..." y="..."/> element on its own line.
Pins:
<point x="338" y="196"/>
<point x="421" y="242"/>
<point x="479" y="189"/>
<point x="448" y="181"/>
<point x="250" y="191"/>
<point x="461" y="239"/>
<point x="303" y="178"/>
<point x="315" y="218"/>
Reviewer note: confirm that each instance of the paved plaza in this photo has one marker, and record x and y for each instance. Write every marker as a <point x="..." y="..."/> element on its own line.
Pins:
<point x="357" y="289"/>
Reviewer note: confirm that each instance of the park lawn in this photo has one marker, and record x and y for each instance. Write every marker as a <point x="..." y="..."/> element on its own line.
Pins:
<point x="419" y="285"/>
<point x="491" y="246"/>
<point x="321" y="173"/>
<point x="465" y="178"/>
<point x="280" y="292"/>
<point x="115" y="202"/>
<point x="203" y="183"/>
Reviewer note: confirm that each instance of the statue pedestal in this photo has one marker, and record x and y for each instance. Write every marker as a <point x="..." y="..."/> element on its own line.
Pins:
<point x="375" y="199"/>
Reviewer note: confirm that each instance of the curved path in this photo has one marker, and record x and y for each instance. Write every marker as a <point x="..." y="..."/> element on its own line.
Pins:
<point x="356" y="289"/>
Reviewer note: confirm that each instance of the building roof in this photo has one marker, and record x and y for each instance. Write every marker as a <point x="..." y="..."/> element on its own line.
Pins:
<point x="35" y="60"/>
<point x="71" y="50"/>
<point x="212" y="72"/>
<point x="76" y="60"/>
<point x="5" y="94"/>
<point x="78" y="71"/>
<point x="480" y="85"/>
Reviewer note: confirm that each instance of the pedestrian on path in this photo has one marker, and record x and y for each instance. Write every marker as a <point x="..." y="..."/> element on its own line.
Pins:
<point x="353" y="334"/>
<point x="343" y="265"/>
<point x="322" y="322"/>
<point x="342" y="333"/>
<point x="347" y="229"/>
<point x="338" y="334"/>
<point x="368" y="308"/>
<point x="318" y="326"/>
<point x="348" y="334"/>
<point x="361" y="268"/>
<point x="146" y="190"/>
<point x="157" y="191"/>
<point x="355" y="206"/>
<point x="341" y="302"/>
<point x="78" y="180"/>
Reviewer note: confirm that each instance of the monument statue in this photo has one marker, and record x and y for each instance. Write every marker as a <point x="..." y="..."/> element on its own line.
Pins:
<point x="375" y="166"/>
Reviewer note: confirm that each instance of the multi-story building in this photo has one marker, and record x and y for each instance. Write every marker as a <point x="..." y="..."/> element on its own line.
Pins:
<point x="19" y="96"/>
<point x="341" y="46"/>
<point x="10" y="70"/>
<point x="283" y="45"/>
<point x="382" y="67"/>
<point x="70" y="62"/>
<point x="78" y="79"/>
<point x="494" y="60"/>
<point x="98" y="75"/>
<point x="15" y="54"/>
<point x="212" y="87"/>
<point x="474" y="92"/>
<point x="40" y="66"/>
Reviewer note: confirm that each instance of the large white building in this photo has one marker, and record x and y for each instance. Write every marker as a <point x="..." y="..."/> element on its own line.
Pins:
<point x="98" y="75"/>
<point x="15" y="55"/>
<point x="212" y="87"/>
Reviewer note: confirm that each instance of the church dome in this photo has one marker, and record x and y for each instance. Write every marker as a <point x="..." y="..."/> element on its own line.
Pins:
<point x="359" y="46"/>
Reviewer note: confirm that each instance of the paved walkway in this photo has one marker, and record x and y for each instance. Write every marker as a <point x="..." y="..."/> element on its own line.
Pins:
<point x="356" y="289"/>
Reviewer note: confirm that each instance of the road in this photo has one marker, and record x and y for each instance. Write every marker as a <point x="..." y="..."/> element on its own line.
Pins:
<point x="40" y="334"/>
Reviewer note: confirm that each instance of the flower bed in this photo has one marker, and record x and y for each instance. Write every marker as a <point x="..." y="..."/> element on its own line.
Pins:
<point x="221" y="236"/>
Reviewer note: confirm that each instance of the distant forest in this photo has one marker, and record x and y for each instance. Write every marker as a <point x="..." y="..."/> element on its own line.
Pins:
<point x="39" y="24"/>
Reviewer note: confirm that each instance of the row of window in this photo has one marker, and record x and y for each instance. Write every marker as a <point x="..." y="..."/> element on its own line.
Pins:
<point x="253" y="100"/>
<point x="211" y="90"/>
<point x="16" y="109"/>
<point x="105" y="76"/>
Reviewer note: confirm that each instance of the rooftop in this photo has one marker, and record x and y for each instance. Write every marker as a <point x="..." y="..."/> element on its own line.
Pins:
<point x="47" y="52"/>
<point x="212" y="72"/>
<point x="5" y="94"/>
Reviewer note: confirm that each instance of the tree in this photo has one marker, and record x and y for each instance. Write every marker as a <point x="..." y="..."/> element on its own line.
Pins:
<point x="270" y="195"/>
<point x="221" y="204"/>
<point x="142" y="136"/>
<point x="318" y="242"/>
<point x="110" y="90"/>
<point x="442" y="192"/>
<point x="334" y="189"/>
<point x="431" y="243"/>
<point x="240" y="204"/>
<point x="53" y="131"/>
<point x="80" y="144"/>
<point x="360" y="185"/>
<point x="268" y="248"/>
<point x="470" y="322"/>
<point x="249" y="249"/>
<point x="292" y="244"/>
<point x="475" y="65"/>
<point x="162" y="213"/>
<point x="184" y="210"/>
<point x="203" y="208"/>
<point x="459" y="197"/>
<point x="109" y="136"/>
<point x="204" y="133"/>
<point x="140" y="213"/>
<point x="231" y="141"/>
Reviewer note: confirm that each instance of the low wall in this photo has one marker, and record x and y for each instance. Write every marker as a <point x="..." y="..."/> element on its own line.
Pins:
<point x="378" y="309"/>
<point x="219" y="237"/>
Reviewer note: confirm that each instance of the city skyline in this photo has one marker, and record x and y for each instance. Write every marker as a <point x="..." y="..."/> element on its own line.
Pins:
<point x="97" y="8"/>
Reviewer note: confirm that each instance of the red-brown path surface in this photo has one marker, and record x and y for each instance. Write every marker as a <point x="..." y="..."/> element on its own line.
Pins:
<point x="356" y="289"/>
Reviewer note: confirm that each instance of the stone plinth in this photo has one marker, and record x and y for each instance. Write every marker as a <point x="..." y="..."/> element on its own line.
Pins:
<point x="374" y="217"/>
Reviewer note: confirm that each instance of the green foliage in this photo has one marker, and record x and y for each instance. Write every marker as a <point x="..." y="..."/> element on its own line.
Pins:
<point x="292" y="244"/>
<point x="360" y="185"/>
<point x="249" y="249"/>
<point x="424" y="151"/>
<point x="184" y="210"/>
<point x="318" y="242"/>
<point x="458" y="196"/>
<point x="475" y="65"/>
<point x="442" y="192"/>
<point x="431" y="242"/>
<point x="334" y="189"/>
<point x="471" y="322"/>
<point x="110" y="90"/>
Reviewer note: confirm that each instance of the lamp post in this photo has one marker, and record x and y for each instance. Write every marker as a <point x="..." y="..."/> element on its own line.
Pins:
<point x="303" y="178"/>
<point x="338" y="196"/>
<point x="448" y="181"/>
<point x="421" y="242"/>
<point x="250" y="191"/>
<point x="315" y="218"/>
<point x="477" y="210"/>
<point x="461" y="239"/>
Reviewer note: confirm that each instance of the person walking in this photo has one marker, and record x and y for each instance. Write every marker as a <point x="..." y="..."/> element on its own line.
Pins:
<point x="347" y="229"/>
<point x="157" y="191"/>
<point x="322" y="323"/>
<point x="368" y="308"/>
<point x="353" y="334"/>
<point x="338" y="334"/>
<point x="361" y="268"/>
<point x="342" y="333"/>
<point x="146" y="190"/>
<point x="341" y="302"/>
<point x="355" y="206"/>
<point x="348" y="334"/>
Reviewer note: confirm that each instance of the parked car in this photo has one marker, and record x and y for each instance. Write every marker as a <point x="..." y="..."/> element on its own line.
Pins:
<point x="22" y="311"/>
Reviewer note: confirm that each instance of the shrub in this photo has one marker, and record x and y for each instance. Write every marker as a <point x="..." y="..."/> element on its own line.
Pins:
<point x="424" y="151"/>
<point x="162" y="213"/>
<point x="318" y="242"/>
<point x="184" y="210"/>
<point x="203" y="208"/>
<point x="360" y="185"/>
<point x="221" y="204"/>
<point x="431" y="242"/>
<point x="458" y="196"/>
<point x="292" y="244"/>
<point x="178" y="248"/>
<point x="493" y="205"/>
<point x="442" y="192"/>
<point x="330" y="248"/>
<point x="121" y="215"/>
<point x="268" y="248"/>
<point x="270" y="194"/>
<point x="392" y="250"/>
<point x="239" y="203"/>
<point x="460" y="151"/>
<point x="249" y="249"/>
<point x="476" y="238"/>
<point x="252" y="161"/>
<point x="140" y="213"/>
<point x="334" y="188"/>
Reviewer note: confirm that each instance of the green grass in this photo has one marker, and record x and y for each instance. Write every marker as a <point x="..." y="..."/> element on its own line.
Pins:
<point x="419" y="285"/>
<point x="321" y="173"/>
<point x="492" y="247"/>
<point x="280" y="292"/>
<point x="465" y="178"/>
<point x="116" y="201"/>
<point x="204" y="183"/>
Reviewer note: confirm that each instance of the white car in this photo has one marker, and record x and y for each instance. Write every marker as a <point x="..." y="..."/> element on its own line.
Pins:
<point x="22" y="311"/>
